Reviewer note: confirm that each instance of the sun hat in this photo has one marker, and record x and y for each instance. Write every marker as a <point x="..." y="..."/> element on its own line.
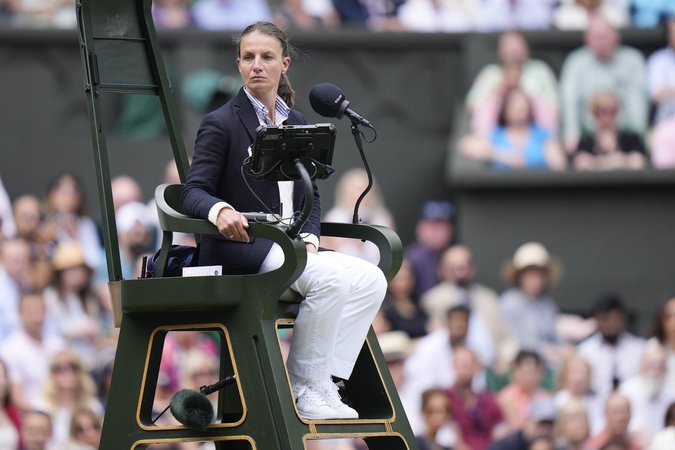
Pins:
<point x="68" y="255"/>
<point x="532" y="254"/>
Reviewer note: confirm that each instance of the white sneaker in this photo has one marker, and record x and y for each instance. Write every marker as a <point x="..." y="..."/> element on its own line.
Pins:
<point x="313" y="404"/>
<point x="333" y="396"/>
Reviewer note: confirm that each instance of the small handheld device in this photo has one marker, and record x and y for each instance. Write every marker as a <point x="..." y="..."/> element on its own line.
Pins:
<point x="276" y="148"/>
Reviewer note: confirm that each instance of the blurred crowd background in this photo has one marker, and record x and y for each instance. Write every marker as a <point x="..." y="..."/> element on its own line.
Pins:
<point x="477" y="367"/>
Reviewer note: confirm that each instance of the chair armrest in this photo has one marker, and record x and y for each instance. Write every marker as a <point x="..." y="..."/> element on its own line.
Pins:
<point x="386" y="240"/>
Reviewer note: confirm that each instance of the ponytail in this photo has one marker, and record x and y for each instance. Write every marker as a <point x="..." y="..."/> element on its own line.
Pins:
<point x="285" y="90"/>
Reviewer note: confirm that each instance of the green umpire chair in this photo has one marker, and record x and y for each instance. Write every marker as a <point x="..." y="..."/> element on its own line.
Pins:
<point x="120" y="54"/>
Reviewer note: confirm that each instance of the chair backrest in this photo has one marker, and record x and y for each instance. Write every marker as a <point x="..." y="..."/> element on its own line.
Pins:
<point x="120" y="54"/>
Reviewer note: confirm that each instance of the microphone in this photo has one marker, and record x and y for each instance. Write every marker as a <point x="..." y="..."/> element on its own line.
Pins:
<point x="192" y="408"/>
<point x="328" y="100"/>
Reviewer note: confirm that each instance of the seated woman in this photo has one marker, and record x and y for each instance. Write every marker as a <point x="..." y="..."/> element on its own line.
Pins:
<point x="609" y="148"/>
<point x="517" y="142"/>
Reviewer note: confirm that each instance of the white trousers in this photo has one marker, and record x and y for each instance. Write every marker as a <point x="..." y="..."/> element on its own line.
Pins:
<point x="342" y="296"/>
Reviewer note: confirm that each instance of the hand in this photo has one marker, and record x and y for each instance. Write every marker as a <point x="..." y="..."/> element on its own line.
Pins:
<point x="232" y="225"/>
<point x="311" y="248"/>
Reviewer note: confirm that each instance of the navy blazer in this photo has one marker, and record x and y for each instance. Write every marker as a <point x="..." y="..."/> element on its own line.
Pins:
<point x="221" y="147"/>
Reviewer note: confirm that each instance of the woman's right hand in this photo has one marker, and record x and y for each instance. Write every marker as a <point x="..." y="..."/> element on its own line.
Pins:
<point x="232" y="224"/>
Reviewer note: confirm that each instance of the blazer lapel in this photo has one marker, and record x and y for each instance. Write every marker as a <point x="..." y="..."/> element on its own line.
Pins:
<point x="246" y="113"/>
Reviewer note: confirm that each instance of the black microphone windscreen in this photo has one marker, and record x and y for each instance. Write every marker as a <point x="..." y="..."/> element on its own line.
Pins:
<point x="192" y="409"/>
<point x="326" y="99"/>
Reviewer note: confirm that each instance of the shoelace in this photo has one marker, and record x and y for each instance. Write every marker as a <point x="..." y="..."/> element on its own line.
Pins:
<point x="332" y="395"/>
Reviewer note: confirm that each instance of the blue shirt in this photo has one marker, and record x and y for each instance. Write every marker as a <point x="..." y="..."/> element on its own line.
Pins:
<point x="533" y="152"/>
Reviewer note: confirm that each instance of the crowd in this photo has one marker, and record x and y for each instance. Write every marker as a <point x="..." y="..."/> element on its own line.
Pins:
<point x="602" y="103"/>
<point x="475" y="369"/>
<point x="378" y="15"/>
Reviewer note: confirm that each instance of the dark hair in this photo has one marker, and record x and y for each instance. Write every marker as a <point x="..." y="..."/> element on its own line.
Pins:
<point x="609" y="303"/>
<point x="657" y="329"/>
<point x="670" y="415"/>
<point x="285" y="90"/>
<point x="79" y="187"/>
<point x="524" y="355"/>
<point x="458" y="309"/>
<point x="501" y="116"/>
<point x="4" y="402"/>
<point x="426" y="397"/>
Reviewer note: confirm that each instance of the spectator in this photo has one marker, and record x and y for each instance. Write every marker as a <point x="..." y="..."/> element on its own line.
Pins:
<point x="517" y="142"/>
<point x="27" y="352"/>
<point x="7" y="228"/>
<point x="229" y="14"/>
<point x="72" y="306"/>
<point x="663" y="144"/>
<point x="542" y="443"/>
<point x="431" y="363"/>
<point x="67" y="388"/>
<point x="135" y="235"/>
<point x="649" y="13"/>
<point x="125" y="190"/>
<point x="85" y="430"/>
<point x="602" y="65"/>
<point x="476" y="412"/>
<point x="648" y="393"/>
<point x="500" y="15"/>
<point x="172" y="14"/>
<point x="665" y="439"/>
<point x="439" y="433"/>
<point x="200" y="369"/>
<point x="609" y="148"/>
<point x="575" y="386"/>
<point x="540" y="420"/>
<point x="436" y="16"/>
<point x="66" y="220"/>
<point x="663" y="332"/>
<point x="457" y="287"/>
<point x="661" y="76"/>
<point x="617" y="417"/>
<point x="26" y="210"/>
<point x="9" y="415"/>
<point x="379" y="15"/>
<point x="36" y="430"/>
<point x="524" y="389"/>
<point x="572" y="428"/>
<point x="43" y="14"/>
<point x="306" y="14"/>
<point x="402" y="313"/>
<point x="14" y="280"/>
<point x="515" y="69"/>
<point x="576" y="14"/>
<point x="434" y="232"/>
<point x="28" y="220"/>
<point x="613" y="353"/>
<point x="528" y="307"/>
<point x="371" y="211"/>
<point x="396" y="346"/>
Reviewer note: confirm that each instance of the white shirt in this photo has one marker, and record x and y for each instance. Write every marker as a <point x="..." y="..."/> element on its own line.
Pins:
<point x="647" y="413"/>
<point x="607" y="361"/>
<point x="28" y="362"/>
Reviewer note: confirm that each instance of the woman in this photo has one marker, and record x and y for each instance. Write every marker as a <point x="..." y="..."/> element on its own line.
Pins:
<point x="342" y="293"/>
<point x="517" y="142"/>
<point x="67" y="388"/>
<point x="9" y="416"/>
<point x="609" y="148"/>
<point x="402" y="313"/>
<point x="663" y="332"/>
<point x="65" y="219"/>
<point x="572" y="429"/>
<point x="575" y="386"/>
<point x="85" y="430"/>
<point x="437" y="414"/>
<point x="73" y="309"/>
